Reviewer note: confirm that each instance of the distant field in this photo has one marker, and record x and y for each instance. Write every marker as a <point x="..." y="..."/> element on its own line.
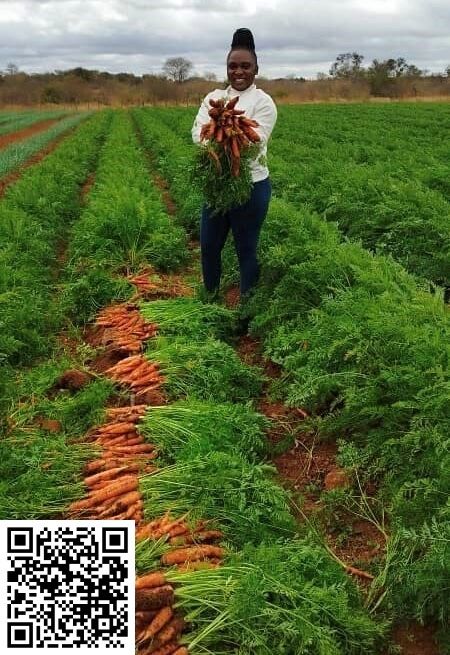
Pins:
<point x="17" y="121"/>
<point x="17" y="152"/>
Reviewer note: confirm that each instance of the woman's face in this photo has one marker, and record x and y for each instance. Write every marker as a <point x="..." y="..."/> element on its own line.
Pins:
<point x="241" y="69"/>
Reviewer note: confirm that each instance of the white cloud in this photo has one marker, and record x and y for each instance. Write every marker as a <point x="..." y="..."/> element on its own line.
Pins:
<point x="138" y="35"/>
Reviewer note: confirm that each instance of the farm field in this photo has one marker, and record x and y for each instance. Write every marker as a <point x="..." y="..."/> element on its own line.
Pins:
<point x="289" y="486"/>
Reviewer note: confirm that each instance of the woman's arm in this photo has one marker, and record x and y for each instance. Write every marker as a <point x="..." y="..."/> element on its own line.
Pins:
<point x="266" y="115"/>
<point x="201" y="118"/>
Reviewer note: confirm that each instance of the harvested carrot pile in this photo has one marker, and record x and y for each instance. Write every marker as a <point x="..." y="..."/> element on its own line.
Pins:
<point x="150" y="285"/>
<point x="188" y="547"/>
<point x="231" y="129"/>
<point x="158" y="626"/>
<point x="137" y="373"/>
<point x="124" y="328"/>
<point x="112" y="480"/>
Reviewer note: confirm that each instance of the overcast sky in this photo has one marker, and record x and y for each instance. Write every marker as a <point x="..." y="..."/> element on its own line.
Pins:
<point x="292" y="38"/>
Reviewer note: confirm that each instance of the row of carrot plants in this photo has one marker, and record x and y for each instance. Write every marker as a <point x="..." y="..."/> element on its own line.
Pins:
<point x="365" y="350"/>
<point x="124" y="227"/>
<point x="16" y="154"/>
<point x="119" y="226"/>
<point x="350" y="165"/>
<point x="34" y="217"/>
<point x="12" y="122"/>
<point x="274" y="591"/>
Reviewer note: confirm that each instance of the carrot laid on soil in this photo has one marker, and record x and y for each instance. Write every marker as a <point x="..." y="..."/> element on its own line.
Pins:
<point x="116" y="428"/>
<point x="152" y="599"/>
<point x="163" y="617"/>
<point x="151" y="580"/>
<point x="183" y="555"/>
<point x="139" y="449"/>
<point x="116" y="488"/>
<point x="121" y="504"/>
<point x="167" y="649"/>
<point x="181" y="651"/>
<point x="196" y="537"/>
<point x="145" y="617"/>
<point x="170" y="631"/>
<point x="199" y="565"/>
<point x="361" y="574"/>
<point x="109" y="474"/>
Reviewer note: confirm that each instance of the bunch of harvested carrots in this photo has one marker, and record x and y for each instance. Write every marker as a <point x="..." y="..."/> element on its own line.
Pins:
<point x="137" y="373"/>
<point x="124" y="328"/>
<point x="231" y="130"/>
<point x="158" y="626"/>
<point x="171" y="286"/>
<point x="112" y="480"/>
<point x="192" y="547"/>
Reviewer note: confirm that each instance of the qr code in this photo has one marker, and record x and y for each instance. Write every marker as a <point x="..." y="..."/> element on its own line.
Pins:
<point x="68" y="585"/>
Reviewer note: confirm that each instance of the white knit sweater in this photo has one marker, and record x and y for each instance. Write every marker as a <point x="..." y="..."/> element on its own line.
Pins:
<point x="257" y="105"/>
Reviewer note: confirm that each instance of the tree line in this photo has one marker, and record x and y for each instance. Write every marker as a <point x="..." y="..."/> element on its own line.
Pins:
<point x="347" y="79"/>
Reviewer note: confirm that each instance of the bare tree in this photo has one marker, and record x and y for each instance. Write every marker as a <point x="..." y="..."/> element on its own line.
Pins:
<point x="209" y="76"/>
<point x="11" y="69"/>
<point x="177" y="68"/>
<point x="347" y="65"/>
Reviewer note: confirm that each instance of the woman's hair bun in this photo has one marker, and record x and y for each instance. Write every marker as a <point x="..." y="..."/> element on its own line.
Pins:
<point x="243" y="38"/>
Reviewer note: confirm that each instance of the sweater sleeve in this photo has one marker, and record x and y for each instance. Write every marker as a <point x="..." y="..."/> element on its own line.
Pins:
<point x="266" y="115"/>
<point x="201" y="119"/>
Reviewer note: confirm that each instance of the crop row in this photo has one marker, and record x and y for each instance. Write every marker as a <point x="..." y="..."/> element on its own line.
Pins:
<point x="14" y="122"/>
<point x="115" y="227"/>
<point x="365" y="350"/>
<point x="395" y="199"/>
<point x="16" y="154"/>
<point x="34" y="215"/>
<point x="124" y="226"/>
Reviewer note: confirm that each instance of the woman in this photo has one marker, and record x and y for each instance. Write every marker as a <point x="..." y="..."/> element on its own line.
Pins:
<point x="245" y="221"/>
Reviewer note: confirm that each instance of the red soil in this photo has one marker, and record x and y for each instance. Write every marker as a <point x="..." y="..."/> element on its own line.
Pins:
<point x="7" y="139"/>
<point x="415" y="639"/>
<point x="87" y="186"/>
<point x="15" y="175"/>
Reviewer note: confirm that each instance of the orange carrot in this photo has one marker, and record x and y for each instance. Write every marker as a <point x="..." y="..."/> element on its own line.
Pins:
<point x="196" y="537"/>
<point x="103" y="475"/>
<point x="151" y="387"/>
<point x="116" y="488"/>
<point x="153" y="599"/>
<point x="205" y="535"/>
<point x="235" y="147"/>
<point x="116" y="428"/>
<point x="94" y="466"/>
<point x="196" y="566"/>
<point x="170" y="631"/>
<point x="121" y="503"/>
<point x="140" y="448"/>
<point x="147" y="529"/>
<point x="362" y="574"/>
<point x="125" y="366"/>
<point x="163" y="617"/>
<point x="167" y="649"/>
<point x="177" y="530"/>
<point x="145" y="379"/>
<point x="125" y="412"/>
<point x="182" y="555"/>
<point x="181" y="651"/>
<point x="151" y="580"/>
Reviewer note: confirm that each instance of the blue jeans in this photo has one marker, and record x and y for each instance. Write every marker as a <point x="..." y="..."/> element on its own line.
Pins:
<point x="245" y="222"/>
